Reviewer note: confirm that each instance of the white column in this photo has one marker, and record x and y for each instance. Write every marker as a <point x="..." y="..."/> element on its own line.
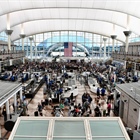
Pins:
<point x="76" y="49"/>
<point x="59" y="51"/>
<point x="85" y="52"/>
<point x="9" y="43"/>
<point x="43" y="47"/>
<point x="120" y="108"/>
<point x="76" y="44"/>
<point x="27" y="47"/>
<point x="100" y="44"/>
<point x="138" y="125"/>
<point x="92" y="44"/>
<point x="7" y="108"/>
<point x="22" y="37"/>
<point x="61" y="44"/>
<point x="127" y="34"/>
<point x="108" y="46"/>
<point x="113" y="42"/>
<point x="31" y="52"/>
<point x="0" y="131"/>
<point x="20" y="94"/>
<point x="104" y="39"/>
<point x="9" y="32"/>
<point x="15" y="100"/>
<point x="10" y="62"/>
<point x="36" y="49"/>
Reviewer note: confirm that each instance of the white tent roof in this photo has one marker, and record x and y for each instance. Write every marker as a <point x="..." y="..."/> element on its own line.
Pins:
<point x="97" y="16"/>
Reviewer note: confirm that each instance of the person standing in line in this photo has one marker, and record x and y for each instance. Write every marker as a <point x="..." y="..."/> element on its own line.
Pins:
<point x="98" y="92"/>
<point x="108" y="108"/>
<point x="4" y="113"/>
<point x="39" y="107"/>
<point x="84" y="97"/>
<point x="103" y="92"/>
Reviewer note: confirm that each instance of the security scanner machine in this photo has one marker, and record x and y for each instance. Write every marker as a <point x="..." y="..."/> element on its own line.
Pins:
<point x="32" y="85"/>
<point x="69" y="128"/>
<point x="92" y="83"/>
<point x="69" y="90"/>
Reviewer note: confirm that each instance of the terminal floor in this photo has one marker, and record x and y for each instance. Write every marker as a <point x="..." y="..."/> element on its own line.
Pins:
<point x="32" y="106"/>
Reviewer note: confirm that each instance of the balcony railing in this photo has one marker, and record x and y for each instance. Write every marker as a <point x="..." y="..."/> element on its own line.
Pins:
<point x="131" y="56"/>
<point x="11" y="55"/>
<point x="137" y="54"/>
<point x="10" y="52"/>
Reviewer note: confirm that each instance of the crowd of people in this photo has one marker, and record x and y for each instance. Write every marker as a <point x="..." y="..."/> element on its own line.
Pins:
<point x="82" y="108"/>
<point x="52" y="88"/>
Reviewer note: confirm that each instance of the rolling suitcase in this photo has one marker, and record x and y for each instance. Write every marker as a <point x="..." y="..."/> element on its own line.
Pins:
<point x="36" y="113"/>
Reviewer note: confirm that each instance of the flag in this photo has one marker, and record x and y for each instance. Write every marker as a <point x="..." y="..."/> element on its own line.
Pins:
<point x="68" y="49"/>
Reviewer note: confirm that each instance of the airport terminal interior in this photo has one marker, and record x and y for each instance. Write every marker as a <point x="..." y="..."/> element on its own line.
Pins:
<point x="69" y="70"/>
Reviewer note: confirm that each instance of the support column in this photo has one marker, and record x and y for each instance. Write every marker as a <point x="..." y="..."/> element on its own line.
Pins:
<point x="127" y="34"/>
<point x="31" y="52"/>
<point x="76" y="49"/>
<point x="59" y="52"/>
<point x="20" y="94"/>
<point x="43" y="47"/>
<point x="138" y="125"/>
<point x="76" y="44"/>
<point x="36" y="49"/>
<point x="104" y="39"/>
<point x="93" y="45"/>
<point x="9" y="32"/>
<point x="27" y="48"/>
<point x="85" y="52"/>
<point x="11" y="62"/>
<point x="120" y="108"/>
<point x="15" y="102"/>
<point x="22" y="36"/>
<point x="108" y="47"/>
<point x="100" y="45"/>
<point x="7" y="110"/>
<point x="113" y="42"/>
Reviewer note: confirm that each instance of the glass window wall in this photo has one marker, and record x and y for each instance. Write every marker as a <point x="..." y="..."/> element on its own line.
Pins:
<point x="45" y="41"/>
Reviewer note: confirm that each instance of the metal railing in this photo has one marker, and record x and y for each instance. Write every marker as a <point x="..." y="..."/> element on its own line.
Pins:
<point x="10" y="52"/>
<point x="137" y="54"/>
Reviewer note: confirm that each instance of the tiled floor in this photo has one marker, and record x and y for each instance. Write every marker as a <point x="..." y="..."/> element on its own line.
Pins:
<point x="32" y="106"/>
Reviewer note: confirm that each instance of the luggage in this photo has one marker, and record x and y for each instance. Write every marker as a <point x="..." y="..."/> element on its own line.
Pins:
<point x="46" y="102"/>
<point x="36" y="113"/>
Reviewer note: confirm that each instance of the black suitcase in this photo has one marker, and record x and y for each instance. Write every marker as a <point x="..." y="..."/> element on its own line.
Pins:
<point x="36" y="113"/>
<point x="46" y="102"/>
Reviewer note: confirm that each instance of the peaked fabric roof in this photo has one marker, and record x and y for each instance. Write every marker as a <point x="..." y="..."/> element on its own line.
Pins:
<point x="97" y="16"/>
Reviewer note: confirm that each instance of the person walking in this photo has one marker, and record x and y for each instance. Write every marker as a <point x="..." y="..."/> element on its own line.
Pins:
<point x="108" y="108"/>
